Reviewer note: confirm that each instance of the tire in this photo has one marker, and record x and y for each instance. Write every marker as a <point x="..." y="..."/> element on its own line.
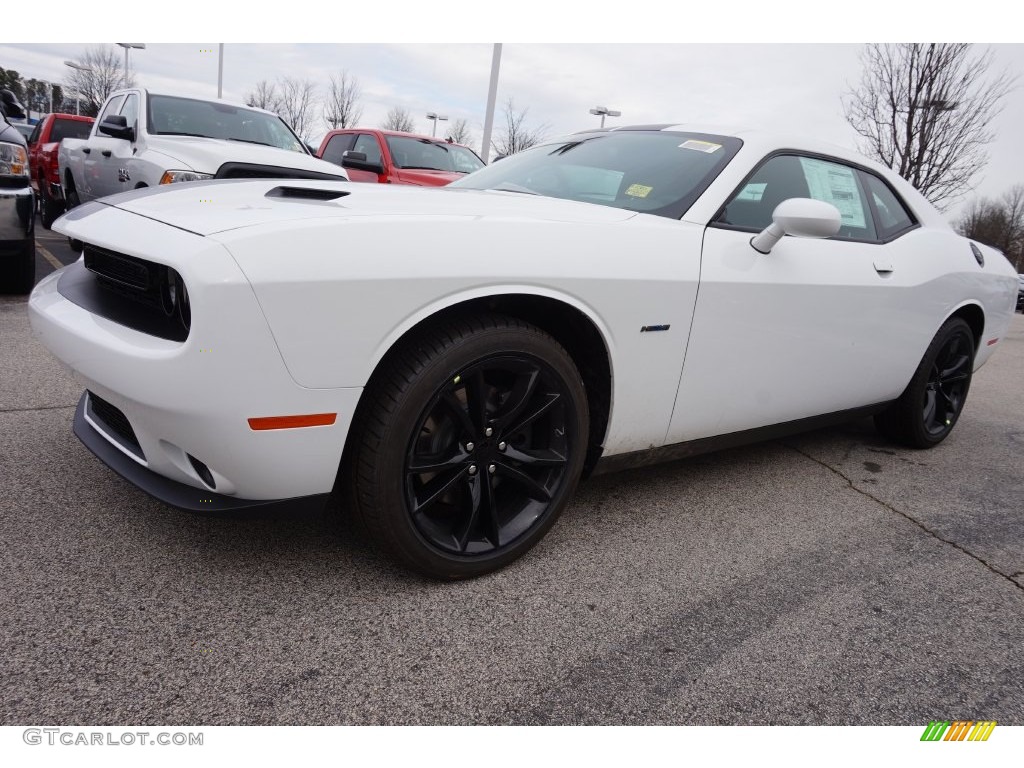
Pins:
<point x="72" y="201"/>
<point x="468" y="446"/>
<point x="18" y="273"/>
<point x="49" y="209"/>
<point x="931" y="404"/>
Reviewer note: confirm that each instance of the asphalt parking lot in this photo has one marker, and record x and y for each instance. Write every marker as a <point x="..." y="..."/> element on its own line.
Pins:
<point x="830" y="578"/>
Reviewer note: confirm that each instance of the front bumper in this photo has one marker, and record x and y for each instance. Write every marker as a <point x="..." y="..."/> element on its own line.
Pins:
<point x="191" y="400"/>
<point x="17" y="215"/>
<point x="174" y="493"/>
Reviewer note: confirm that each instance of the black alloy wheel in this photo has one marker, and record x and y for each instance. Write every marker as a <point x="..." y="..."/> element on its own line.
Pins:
<point x="468" y="446"/>
<point x="929" y="407"/>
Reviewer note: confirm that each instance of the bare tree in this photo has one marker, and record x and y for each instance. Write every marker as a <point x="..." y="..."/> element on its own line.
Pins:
<point x="925" y="110"/>
<point x="517" y="135"/>
<point x="298" y="105"/>
<point x="999" y="223"/>
<point x="104" y="76"/>
<point x="398" y="119"/>
<point x="342" y="108"/>
<point x="459" y="132"/>
<point x="264" y="96"/>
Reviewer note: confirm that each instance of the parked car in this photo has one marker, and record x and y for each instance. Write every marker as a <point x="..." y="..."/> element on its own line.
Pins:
<point x="25" y="129"/>
<point x="43" y="145"/>
<point x="144" y="139"/>
<point x="392" y="157"/>
<point x="452" y="361"/>
<point x="17" y="203"/>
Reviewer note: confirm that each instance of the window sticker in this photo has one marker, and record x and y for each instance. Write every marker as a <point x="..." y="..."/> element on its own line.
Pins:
<point x="700" y="146"/>
<point x="638" y="190"/>
<point x="835" y="184"/>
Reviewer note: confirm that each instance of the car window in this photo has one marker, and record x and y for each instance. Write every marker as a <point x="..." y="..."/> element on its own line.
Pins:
<point x="112" y="108"/>
<point x="368" y="143"/>
<point x="130" y="110"/>
<point x="69" y="129"/>
<point x="34" y="136"/>
<point x="338" y="144"/>
<point x="892" y="216"/>
<point x="785" y="176"/>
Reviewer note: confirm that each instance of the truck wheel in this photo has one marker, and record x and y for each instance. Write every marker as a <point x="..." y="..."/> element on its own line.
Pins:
<point x="49" y="209"/>
<point x="19" y="271"/>
<point x="71" y="196"/>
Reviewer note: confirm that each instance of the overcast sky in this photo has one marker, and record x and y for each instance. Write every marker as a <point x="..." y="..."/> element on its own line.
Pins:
<point x="789" y="87"/>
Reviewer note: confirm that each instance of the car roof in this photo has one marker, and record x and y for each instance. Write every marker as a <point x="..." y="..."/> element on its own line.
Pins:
<point x="404" y="134"/>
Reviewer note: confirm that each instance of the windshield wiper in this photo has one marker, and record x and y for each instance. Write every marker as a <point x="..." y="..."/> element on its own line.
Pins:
<point x="510" y="187"/>
<point x="419" y="168"/>
<point x="183" y="133"/>
<point x="251" y="141"/>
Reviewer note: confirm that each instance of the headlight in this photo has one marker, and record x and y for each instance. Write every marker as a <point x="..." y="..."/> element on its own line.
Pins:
<point x="173" y="177"/>
<point x="13" y="160"/>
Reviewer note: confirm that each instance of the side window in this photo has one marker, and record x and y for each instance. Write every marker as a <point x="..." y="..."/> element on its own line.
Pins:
<point x="368" y="144"/>
<point x="130" y="110"/>
<point x="786" y="176"/>
<point x="112" y="108"/>
<point x="891" y="215"/>
<point x="35" y="134"/>
<point x="336" y="146"/>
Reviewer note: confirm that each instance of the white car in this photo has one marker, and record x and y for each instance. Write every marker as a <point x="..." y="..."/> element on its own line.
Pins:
<point x="453" y="360"/>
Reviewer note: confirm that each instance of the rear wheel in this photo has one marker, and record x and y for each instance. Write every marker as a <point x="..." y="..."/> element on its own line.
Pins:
<point x="469" y="447"/>
<point x="49" y="209"/>
<point x="929" y="408"/>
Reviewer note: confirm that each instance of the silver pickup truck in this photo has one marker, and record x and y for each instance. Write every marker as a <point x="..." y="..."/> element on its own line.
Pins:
<point x="144" y="139"/>
<point x="17" y="204"/>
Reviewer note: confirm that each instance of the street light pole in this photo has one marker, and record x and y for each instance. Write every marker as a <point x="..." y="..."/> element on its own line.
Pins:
<point x="492" y="93"/>
<point x="435" y="117"/>
<point x="78" y="93"/>
<point x="127" y="47"/>
<point x="220" y="71"/>
<point x="605" y="112"/>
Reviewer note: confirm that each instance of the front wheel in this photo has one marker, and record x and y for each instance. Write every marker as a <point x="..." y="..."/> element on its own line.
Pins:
<point x="929" y="408"/>
<point x="469" y="446"/>
<point x="49" y="209"/>
<point x="18" y="271"/>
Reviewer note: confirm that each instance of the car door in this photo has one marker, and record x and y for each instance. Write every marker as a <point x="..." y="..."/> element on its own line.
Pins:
<point x="115" y="154"/>
<point x="368" y="144"/>
<point x="97" y="181"/>
<point x="805" y="330"/>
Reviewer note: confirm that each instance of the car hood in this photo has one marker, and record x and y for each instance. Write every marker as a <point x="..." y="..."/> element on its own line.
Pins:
<point x="209" y="207"/>
<point x="428" y="177"/>
<point x="203" y="155"/>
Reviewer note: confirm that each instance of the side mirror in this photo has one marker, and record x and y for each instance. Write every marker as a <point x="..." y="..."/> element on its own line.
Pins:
<point x="116" y="126"/>
<point x="358" y="161"/>
<point x="799" y="217"/>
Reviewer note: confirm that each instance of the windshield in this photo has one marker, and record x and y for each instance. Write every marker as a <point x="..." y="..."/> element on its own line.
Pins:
<point x="174" y="116"/>
<point x="657" y="172"/>
<point x="410" y="153"/>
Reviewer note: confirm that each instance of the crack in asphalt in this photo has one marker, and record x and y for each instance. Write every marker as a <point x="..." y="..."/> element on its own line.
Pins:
<point x="909" y="517"/>
<point x="37" y="408"/>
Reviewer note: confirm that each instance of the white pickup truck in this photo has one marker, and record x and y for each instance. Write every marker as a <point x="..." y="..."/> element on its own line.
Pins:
<point x="144" y="139"/>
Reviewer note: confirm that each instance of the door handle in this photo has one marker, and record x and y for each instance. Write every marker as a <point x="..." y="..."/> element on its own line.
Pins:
<point x="106" y="153"/>
<point x="86" y="150"/>
<point x="883" y="266"/>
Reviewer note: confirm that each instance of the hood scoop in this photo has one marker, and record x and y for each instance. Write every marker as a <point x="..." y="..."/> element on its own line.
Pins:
<point x="305" y="194"/>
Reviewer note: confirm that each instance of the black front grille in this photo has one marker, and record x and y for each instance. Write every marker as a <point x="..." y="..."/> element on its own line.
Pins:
<point x="111" y="418"/>
<point x="134" y="292"/>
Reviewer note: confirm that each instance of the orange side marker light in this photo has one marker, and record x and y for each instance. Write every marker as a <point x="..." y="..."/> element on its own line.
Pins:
<point x="293" y="422"/>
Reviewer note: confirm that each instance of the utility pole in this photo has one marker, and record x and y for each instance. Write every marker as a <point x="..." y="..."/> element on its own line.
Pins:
<point x="492" y="94"/>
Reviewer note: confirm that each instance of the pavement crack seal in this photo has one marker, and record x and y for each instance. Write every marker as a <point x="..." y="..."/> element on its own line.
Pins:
<point x="37" y="408"/>
<point x="908" y="517"/>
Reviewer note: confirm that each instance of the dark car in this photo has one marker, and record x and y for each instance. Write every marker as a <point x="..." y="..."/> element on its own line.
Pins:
<point x="17" y="204"/>
<point x="1020" y="293"/>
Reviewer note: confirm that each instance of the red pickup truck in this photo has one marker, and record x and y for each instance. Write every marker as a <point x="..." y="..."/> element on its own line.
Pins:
<point x="390" y="157"/>
<point x="43" y="144"/>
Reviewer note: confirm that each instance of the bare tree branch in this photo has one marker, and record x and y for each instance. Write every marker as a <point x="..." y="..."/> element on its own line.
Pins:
<point x="106" y="76"/>
<point x="999" y="223"/>
<point x="264" y="96"/>
<point x="298" y="105"/>
<point x="460" y="133"/>
<point x="926" y="110"/>
<point x="516" y="135"/>
<point x="342" y="108"/>
<point x="398" y="119"/>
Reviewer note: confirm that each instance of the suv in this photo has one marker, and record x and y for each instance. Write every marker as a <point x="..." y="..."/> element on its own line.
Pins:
<point x="17" y="204"/>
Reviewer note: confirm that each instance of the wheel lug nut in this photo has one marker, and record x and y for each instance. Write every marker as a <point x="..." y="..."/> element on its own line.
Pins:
<point x="488" y="432"/>
<point x="491" y="469"/>
<point x="472" y="469"/>
<point x="502" y="446"/>
<point x="470" y="446"/>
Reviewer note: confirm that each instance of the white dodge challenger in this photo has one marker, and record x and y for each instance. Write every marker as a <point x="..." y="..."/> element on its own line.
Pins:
<point x="452" y="361"/>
